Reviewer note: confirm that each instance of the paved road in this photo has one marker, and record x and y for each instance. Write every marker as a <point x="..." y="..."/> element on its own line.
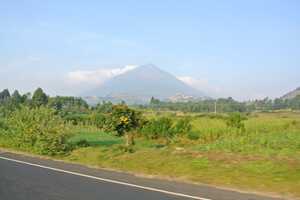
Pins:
<point x="27" y="178"/>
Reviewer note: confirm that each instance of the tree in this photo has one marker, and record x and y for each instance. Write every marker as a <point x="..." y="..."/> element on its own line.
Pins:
<point x="154" y="101"/>
<point x="39" y="98"/>
<point x="279" y="103"/>
<point x="16" y="98"/>
<point x="26" y="97"/>
<point x="4" y="95"/>
<point x="11" y="103"/>
<point x="104" y="107"/>
<point x="295" y="103"/>
<point x="68" y="104"/>
<point x="124" y="120"/>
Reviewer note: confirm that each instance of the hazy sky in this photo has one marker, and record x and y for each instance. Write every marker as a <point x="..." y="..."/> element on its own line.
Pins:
<point x="244" y="49"/>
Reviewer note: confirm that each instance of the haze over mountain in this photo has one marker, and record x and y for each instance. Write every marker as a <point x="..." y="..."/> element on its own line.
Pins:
<point x="292" y="94"/>
<point x="142" y="83"/>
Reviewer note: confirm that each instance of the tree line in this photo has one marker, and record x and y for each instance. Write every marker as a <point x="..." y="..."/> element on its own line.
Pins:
<point x="43" y="124"/>
<point x="225" y="105"/>
<point x="77" y="106"/>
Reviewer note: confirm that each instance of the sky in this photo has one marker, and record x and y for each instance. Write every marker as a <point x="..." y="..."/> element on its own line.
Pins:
<point x="244" y="49"/>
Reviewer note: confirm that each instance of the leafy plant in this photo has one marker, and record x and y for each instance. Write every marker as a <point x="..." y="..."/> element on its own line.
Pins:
<point x="3" y="125"/>
<point x="183" y="126"/>
<point x="101" y="121"/>
<point x="124" y="121"/>
<point x="82" y="143"/>
<point x="39" y="129"/>
<point x="159" y="128"/>
<point x="235" y="120"/>
<point x="193" y="136"/>
<point x="39" y="98"/>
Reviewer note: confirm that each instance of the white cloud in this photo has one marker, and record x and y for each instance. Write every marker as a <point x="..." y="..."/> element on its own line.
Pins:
<point x="96" y="77"/>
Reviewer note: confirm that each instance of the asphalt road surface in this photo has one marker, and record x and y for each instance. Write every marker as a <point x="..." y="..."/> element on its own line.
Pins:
<point x="27" y="178"/>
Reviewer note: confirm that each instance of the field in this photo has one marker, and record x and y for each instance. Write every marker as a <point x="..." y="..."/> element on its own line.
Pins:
<point x="265" y="157"/>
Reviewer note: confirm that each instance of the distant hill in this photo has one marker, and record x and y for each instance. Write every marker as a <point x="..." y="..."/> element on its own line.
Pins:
<point x="142" y="83"/>
<point x="292" y="94"/>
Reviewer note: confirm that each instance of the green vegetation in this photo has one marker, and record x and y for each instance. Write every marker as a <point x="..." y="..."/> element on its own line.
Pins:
<point x="235" y="120"/>
<point x="265" y="157"/>
<point x="123" y="121"/>
<point x="165" y="128"/>
<point x="253" y="151"/>
<point x="37" y="129"/>
<point x="225" y="105"/>
<point x="39" y="98"/>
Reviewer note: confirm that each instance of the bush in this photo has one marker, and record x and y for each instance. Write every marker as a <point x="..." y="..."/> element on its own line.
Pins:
<point x="183" y="126"/>
<point x="159" y="128"/>
<point x="3" y="125"/>
<point x="235" y="120"/>
<point x="82" y="143"/>
<point x="75" y="119"/>
<point x="193" y="136"/>
<point x="101" y="121"/>
<point x="166" y="128"/>
<point x="39" y="129"/>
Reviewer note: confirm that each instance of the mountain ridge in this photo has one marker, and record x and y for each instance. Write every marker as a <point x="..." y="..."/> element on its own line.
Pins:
<point x="292" y="94"/>
<point x="142" y="83"/>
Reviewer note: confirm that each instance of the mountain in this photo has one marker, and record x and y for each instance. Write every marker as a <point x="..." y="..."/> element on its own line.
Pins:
<point x="142" y="83"/>
<point x="292" y="94"/>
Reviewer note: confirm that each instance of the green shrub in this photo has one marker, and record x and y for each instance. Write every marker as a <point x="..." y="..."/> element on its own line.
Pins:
<point x="82" y="143"/>
<point x="159" y="128"/>
<point x="75" y="119"/>
<point x="3" y="125"/>
<point x="294" y="123"/>
<point x="235" y="120"/>
<point x="39" y="130"/>
<point x="183" y="126"/>
<point x="166" y="128"/>
<point x="193" y="136"/>
<point x="101" y="121"/>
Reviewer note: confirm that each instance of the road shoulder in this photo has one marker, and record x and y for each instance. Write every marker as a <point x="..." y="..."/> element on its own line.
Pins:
<point x="197" y="190"/>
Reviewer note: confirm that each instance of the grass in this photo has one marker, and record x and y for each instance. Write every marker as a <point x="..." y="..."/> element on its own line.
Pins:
<point x="266" y="134"/>
<point x="265" y="158"/>
<point x="222" y="169"/>
<point x="96" y="138"/>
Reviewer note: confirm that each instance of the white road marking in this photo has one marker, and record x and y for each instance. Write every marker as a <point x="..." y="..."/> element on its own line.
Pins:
<point x="107" y="180"/>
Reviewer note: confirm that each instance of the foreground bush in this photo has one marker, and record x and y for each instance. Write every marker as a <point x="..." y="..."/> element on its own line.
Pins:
<point x="156" y="128"/>
<point x="101" y="121"/>
<point x="236" y="120"/>
<point x="124" y="121"/>
<point x="39" y="130"/>
<point x="183" y="126"/>
<point x="166" y="128"/>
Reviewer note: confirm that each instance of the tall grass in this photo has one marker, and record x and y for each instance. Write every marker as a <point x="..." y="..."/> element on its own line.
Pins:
<point x="269" y="134"/>
<point x="265" y="156"/>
